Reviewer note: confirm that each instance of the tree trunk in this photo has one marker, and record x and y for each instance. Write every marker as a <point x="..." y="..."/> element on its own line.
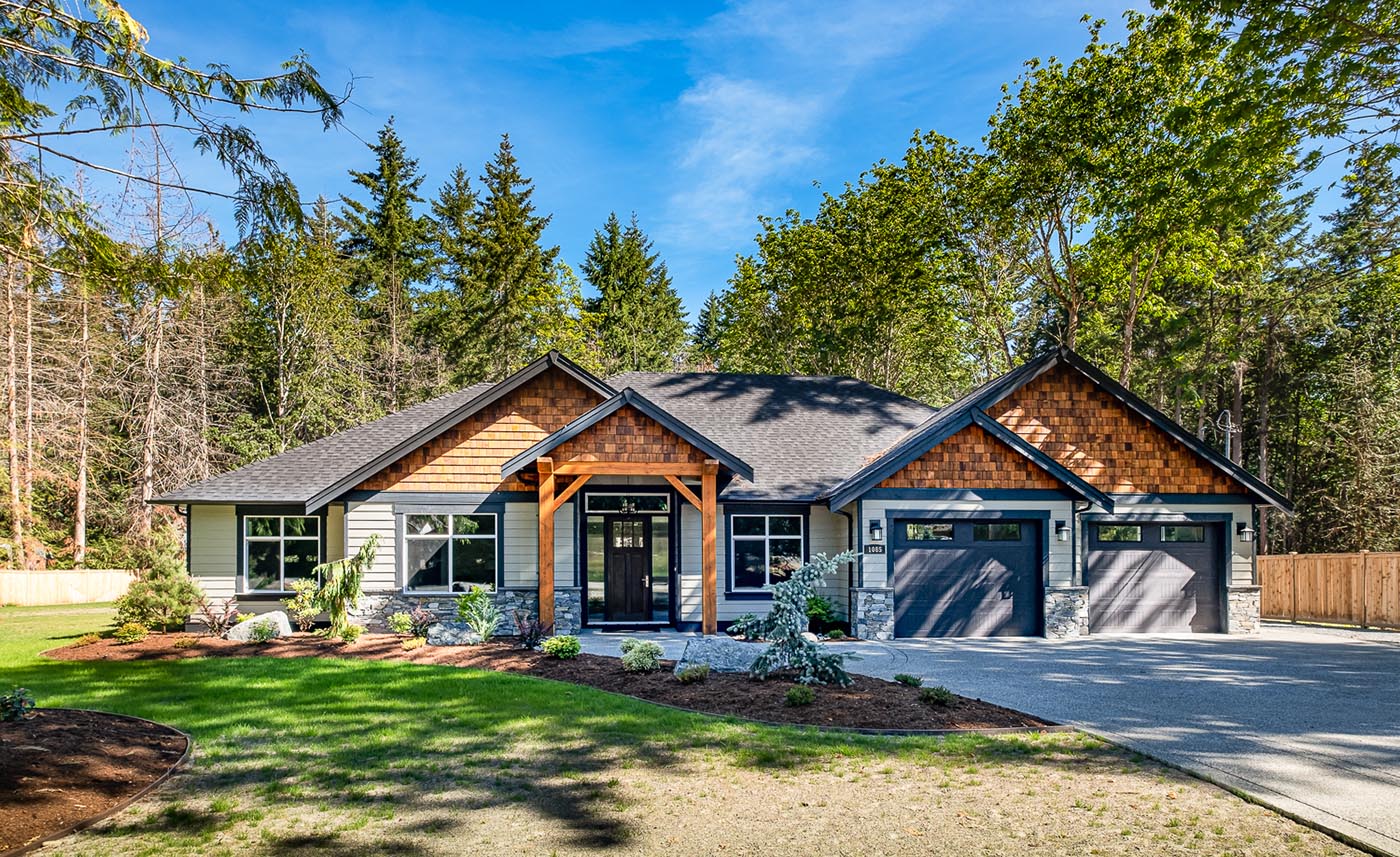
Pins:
<point x="1237" y="413"/>
<point x="18" y="553"/>
<point x="80" y="499"/>
<point x="154" y="337"/>
<point x="29" y="392"/>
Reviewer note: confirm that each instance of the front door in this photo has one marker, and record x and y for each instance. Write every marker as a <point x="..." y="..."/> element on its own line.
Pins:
<point x="627" y="569"/>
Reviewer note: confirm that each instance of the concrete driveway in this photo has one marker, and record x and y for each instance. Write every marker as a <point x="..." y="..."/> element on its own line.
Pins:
<point x="1306" y="720"/>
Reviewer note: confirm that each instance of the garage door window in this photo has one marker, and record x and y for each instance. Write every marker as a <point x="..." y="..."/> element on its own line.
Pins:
<point x="996" y="532"/>
<point x="928" y="532"/>
<point x="766" y="549"/>
<point x="1120" y="533"/>
<point x="1183" y="534"/>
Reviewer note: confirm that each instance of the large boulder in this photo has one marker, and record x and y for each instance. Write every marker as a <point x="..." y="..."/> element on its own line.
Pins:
<point x="243" y="631"/>
<point x="722" y="654"/>
<point x="452" y="634"/>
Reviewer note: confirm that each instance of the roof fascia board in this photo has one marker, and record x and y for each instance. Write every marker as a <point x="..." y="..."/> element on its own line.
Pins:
<point x="1041" y="460"/>
<point x="525" y="374"/>
<point x="628" y="398"/>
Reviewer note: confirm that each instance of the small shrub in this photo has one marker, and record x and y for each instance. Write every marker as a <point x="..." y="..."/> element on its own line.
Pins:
<point x="263" y="632"/>
<point x="693" y="674"/>
<point x="747" y="627"/>
<point x="351" y="633"/>
<point x="185" y="643"/>
<point x="163" y="595"/>
<point x="422" y="619"/>
<point x="939" y="695"/>
<point x="530" y="631"/>
<point x="302" y="605"/>
<point x="478" y="609"/>
<point x="401" y="623"/>
<point x="799" y="694"/>
<point x="909" y="680"/>
<point x="218" y="616"/>
<point x="565" y="648"/>
<point x="246" y="617"/>
<point x="18" y="704"/>
<point x="641" y="657"/>
<point x="341" y="589"/>
<point x="414" y="643"/>
<point x="821" y="614"/>
<point x="628" y="645"/>
<point x="87" y="639"/>
<point x="836" y="634"/>
<point x="131" y="632"/>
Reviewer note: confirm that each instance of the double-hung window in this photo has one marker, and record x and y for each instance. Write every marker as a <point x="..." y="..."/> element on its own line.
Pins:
<point x="278" y="549"/>
<point x="449" y="552"/>
<point x="765" y="549"/>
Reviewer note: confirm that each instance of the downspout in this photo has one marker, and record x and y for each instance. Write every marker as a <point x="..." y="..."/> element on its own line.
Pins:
<point x="184" y="512"/>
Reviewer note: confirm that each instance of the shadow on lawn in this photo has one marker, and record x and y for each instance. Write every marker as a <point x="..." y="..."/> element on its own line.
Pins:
<point x="378" y="740"/>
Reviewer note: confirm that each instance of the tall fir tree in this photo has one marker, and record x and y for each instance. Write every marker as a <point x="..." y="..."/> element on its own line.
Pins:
<point x="389" y="245"/>
<point x="706" y="335"/>
<point x="641" y="326"/>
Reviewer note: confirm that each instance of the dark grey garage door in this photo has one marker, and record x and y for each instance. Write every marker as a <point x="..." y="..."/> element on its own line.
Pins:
<point x="966" y="578"/>
<point x="1153" y="577"/>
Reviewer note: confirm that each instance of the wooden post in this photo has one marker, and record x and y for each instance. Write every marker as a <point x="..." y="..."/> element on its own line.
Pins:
<point x="709" y="595"/>
<point x="546" y="565"/>
<point x="1365" y="573"/>
<point x="1293" y="568"/>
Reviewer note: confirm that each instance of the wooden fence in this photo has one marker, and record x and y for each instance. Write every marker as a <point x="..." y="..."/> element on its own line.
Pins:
<point x="1339" y="588"/>
<point x="66" y="586"/>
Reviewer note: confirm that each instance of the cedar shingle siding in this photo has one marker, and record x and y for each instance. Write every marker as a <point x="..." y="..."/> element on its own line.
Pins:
<point x="971" y="459"/>
<point x="1096" y="436"/>
<point x="628" y="436"/>
<point x="468" y="456"/>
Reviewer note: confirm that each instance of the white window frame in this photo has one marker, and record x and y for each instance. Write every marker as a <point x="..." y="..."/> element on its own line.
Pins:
<point x="493" y="537"/>
<point x="280" y="540"/>
<point x="767" y="538"/>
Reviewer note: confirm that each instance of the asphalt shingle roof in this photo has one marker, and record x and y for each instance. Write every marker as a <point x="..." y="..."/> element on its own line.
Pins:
<point x="801" y="434"/>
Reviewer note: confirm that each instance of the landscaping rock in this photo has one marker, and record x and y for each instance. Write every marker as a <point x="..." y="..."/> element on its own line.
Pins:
<point x="452" y="634"/>
<point x="722" y="654"/>
<point x="243" y="631"/>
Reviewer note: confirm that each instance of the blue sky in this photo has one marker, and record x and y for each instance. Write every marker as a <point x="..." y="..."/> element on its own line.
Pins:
<point x="699" y="117"/>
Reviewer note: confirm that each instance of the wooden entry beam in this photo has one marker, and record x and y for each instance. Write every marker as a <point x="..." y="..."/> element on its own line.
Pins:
<point x="709" y="591"/>
<point x="568" y="493"/>
<point x="623" y="468"/>
<point x="546" y="546"/>
<point x="684" y="491"/>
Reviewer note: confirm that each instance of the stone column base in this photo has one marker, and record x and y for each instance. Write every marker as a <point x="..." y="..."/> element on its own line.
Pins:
<point x="874" y="619"/>
<point x="1242" y="610"/>
<point x="568" y="609"/>
<point x="1066" y="612"/>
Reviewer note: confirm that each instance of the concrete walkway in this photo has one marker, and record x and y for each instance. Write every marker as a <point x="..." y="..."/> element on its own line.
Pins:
<point x="1306" y="720"/>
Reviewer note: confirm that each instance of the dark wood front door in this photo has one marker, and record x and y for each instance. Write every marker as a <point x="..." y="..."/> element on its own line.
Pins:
<point x="627" y="569"/>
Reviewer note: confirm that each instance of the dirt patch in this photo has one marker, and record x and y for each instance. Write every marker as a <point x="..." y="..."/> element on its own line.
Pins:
<point x="868" y="704"/>
<point x="62" y="767"/>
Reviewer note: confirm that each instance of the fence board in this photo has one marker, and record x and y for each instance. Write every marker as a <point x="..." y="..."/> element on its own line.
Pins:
<point x="1339" y="588"/>
<point x="64" y="586"/>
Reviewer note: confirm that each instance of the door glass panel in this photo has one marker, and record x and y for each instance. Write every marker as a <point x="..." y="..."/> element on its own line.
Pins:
<point x="1179" y="533"/>
<point x="594" y="546"/>
<point x="1120" y="533"/>
<point x="660" y="567"/>
<point x="628" y="503"/>
<point x="996" y="532"/>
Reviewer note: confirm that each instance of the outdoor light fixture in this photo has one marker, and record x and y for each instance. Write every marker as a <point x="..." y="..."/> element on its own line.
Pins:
<point x="877" y="530"/>
<point x="1061" y="531"/>
<point x="1245" y="531"/>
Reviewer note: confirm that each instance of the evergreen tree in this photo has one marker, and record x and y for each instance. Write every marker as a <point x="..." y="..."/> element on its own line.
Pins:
<point x="389" y="244"/>
<point x="705" y="337"/>
<point x="640" y="322"/>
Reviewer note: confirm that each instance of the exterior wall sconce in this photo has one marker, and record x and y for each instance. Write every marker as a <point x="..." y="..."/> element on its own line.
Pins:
<point x="1061" y="531"/>
<point x="1245" y="532"/>
<point x="877" y="530"/>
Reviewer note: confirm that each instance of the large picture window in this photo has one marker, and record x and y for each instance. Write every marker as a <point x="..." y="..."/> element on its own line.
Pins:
<point x="765" y="549"/>
<point x="278" y="549"/>
<point x="449" y="553"/>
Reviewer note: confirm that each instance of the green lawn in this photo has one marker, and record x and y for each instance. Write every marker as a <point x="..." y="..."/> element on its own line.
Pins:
<point x="349" y="756"/>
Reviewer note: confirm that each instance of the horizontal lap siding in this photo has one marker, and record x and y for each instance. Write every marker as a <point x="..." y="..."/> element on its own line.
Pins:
<point x="468" y="456"/>
<point x="214" y="549"/>
<point x="829" y="535"/>
<point x="1100" y="439"/>
<point x="362" y="521"/>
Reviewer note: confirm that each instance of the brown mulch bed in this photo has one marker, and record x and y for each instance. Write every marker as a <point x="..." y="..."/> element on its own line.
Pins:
<point x="870" y="703"/>
<point x="63" y="767"/>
